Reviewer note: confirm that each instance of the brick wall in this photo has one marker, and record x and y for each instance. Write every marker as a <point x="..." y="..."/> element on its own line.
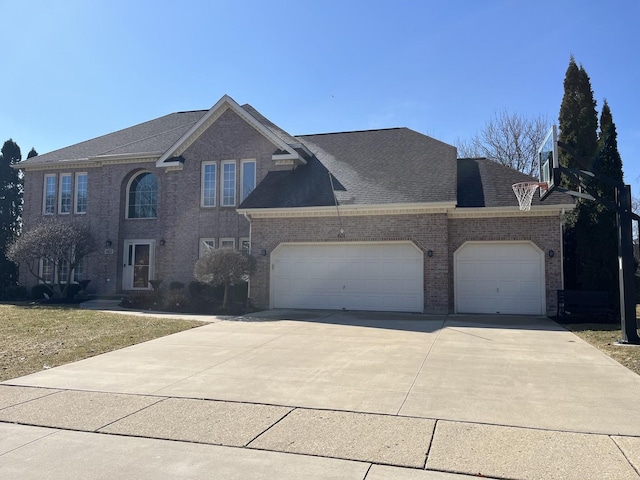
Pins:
<point x="181" y="221"/>
<point x="429" y="232"/>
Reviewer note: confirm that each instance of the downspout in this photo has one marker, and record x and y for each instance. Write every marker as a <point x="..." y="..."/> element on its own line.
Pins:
<point x="562" y="248"/>
<point x="250" y="249"/>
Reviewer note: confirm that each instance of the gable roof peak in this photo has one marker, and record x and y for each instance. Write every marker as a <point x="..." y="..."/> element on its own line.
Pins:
<point x="282" y="141"/>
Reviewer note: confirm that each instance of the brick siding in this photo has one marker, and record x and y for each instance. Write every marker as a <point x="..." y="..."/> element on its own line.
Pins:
<point x="434" y="232"/>
<point x="181" y="221"/>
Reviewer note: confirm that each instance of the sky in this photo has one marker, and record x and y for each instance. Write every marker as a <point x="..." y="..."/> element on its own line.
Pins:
<point x="73" y="70"/>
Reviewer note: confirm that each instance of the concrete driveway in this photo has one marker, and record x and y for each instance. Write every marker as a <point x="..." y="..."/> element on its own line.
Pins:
<point x="336" y="395"/>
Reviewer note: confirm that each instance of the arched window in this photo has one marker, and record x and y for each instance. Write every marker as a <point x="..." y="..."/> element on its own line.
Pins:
<point x="143" y="196"/>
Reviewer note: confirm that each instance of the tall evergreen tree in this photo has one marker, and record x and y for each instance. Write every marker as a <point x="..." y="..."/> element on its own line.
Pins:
<point x="578" y="118"/>
<point x="600" y="261"/>
<point x="578" y="129"/>
<point x="10" y="210"/>
<point x="608" y="161"/>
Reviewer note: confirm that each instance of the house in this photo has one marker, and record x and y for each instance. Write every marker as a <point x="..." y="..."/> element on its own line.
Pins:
<point x="373" y="220"/>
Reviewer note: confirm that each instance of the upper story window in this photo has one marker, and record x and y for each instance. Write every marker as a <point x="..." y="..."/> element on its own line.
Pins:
<point x="59" y="193"/>
<point x="66" y="180"/>
<point x="143" y="196"/>
<point x="81" y="192"/>
<point x="248" y="178"/>
<point x="228" y="183"/>
<point x="209" y="181"/>
<point x="49" y="197"/>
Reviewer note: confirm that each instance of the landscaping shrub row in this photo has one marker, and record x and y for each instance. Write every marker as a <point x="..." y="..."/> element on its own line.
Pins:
<point x="201" y="298"/>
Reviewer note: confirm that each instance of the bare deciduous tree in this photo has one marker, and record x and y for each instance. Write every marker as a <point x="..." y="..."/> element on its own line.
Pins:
<point x="509" y="139"/>
<point x="62" y="243"/>
<point x="224" y="267"/>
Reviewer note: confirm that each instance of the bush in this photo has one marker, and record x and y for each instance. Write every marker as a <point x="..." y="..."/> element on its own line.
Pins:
<point x="38" y="291"/>
<point x="176" y="286"/>
<point x="240" y="291"/>
<point x="73" y="290"/>
<point x="176" y="302"/>
<point x="139" y="300"/>
<point x="201" y="292"/>
<point x="14" y="292"/>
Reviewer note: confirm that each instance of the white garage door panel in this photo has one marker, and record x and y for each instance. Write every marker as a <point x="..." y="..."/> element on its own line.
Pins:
<point x="348" y="276"/>
<point x="499" y="278"/>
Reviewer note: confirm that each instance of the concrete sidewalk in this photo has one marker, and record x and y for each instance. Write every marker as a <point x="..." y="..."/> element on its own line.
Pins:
<point x="332" y="395"/>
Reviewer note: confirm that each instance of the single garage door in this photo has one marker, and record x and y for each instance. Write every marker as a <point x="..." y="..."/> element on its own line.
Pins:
<point x="499" y="277"/>
<point x="351" y="276"/>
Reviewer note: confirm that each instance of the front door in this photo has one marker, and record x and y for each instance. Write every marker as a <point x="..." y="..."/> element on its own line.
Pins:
<point x="138" y="264"/>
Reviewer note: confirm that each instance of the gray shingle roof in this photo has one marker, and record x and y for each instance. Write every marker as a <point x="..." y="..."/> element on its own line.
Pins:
<point x="487" y="183"/>
<point x="306" y="186"/>
<point x="395" y="165"/>
<point x="154" y="136"/>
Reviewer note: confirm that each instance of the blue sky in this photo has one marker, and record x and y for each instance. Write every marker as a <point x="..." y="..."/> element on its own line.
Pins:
<point x="77" y="69"/>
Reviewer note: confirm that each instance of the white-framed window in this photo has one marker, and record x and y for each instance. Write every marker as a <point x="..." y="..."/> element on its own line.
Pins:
<point x="46" y="270"/>
<point x="66" y="190"/>
<point x="49" y="195"/>
<point x="142" y="196"/>
<point x="49" y="272"/>
<point x="81" y="193"/>
<point x="78" y="272"/>
<point x="228" y="181"/>
<point x="228" y="243"/>
<point x="245" y="245"/>
<point x="63" y="271"/>
<point x="209" y="182"/>
<point x="206" y="245"/>
<point x="247" y="178"/>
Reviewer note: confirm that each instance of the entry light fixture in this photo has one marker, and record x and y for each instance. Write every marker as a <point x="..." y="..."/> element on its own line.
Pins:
<point x="162" y="242"/>
<point x="429" y="253"/>
<point x="551" y="253"/>
<point x="107" y="243"/>
<point x="263" y="252"/>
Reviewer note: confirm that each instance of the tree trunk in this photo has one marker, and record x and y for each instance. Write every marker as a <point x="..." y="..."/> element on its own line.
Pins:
<point x="225" y="297"/>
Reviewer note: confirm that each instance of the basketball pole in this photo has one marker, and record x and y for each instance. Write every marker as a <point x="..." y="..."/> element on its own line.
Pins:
<point x="626" y="266"/>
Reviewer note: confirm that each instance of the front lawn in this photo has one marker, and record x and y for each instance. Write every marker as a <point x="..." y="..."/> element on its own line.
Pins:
<point x="33" y="338"/>
<point x="603" y="336"/>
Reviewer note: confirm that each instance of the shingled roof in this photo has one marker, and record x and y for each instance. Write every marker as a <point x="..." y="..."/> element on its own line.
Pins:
<point x="152" y="137"/>
<point x="396" y="165"/>
<point x="487" y="183"/>
<point x="371" y="167"/>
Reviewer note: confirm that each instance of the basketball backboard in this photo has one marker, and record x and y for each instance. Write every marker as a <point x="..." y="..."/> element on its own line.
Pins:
<point x="548" y="163"/>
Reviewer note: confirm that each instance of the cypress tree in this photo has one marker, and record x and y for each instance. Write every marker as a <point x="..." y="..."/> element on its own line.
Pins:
<point x="578" y="122"/>
<point x="10" y="210"/>
<point x="578" y="118"/>
<point x="608" y="161"/>
<point x="600" y="270"/>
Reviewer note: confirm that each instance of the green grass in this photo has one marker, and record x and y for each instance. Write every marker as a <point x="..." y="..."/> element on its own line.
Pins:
<point x="603" y="336"/>
<point x="33" y="338"/>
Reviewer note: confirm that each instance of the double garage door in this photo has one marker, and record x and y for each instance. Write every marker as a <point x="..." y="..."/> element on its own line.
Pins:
<point x="350" y="276"/>
<point x="499" y="277"/>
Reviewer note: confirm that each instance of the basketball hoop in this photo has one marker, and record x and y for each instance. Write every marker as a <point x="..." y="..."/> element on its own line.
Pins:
<point x="524" y="192"/>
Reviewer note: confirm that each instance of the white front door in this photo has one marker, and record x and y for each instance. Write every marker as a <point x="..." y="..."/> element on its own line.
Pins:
<point x="139" y="260"/>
